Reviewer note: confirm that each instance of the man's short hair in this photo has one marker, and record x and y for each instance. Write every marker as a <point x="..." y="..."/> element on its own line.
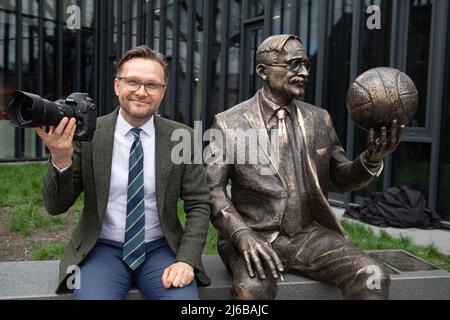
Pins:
<point x="145" y="52"/>
<point x="268" y="50"/>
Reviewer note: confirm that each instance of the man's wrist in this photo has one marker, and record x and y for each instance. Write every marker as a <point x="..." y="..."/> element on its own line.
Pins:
<point x="61" y="167"/>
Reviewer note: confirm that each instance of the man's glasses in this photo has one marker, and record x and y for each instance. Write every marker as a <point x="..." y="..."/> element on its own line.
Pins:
<point x="294" y="65"/>
<point x="134" y="84"/>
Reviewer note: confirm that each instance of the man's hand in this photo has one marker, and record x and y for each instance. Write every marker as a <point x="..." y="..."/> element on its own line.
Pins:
<point x="59" y="141"/>
<point x="383" y="146"/>
<point x="179" y="274"/>
<point x="253" y="247"/>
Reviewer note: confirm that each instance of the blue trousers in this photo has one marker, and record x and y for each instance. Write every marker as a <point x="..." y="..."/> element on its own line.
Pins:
<point x="104" y="275"/>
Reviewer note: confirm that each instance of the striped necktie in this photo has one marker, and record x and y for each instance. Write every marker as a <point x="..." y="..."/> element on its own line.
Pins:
<point x="134" y="246"/>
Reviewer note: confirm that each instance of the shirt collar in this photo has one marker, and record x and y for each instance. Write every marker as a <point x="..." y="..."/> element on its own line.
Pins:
<point x="123" y="127"/>
<point x="269" y="108"/>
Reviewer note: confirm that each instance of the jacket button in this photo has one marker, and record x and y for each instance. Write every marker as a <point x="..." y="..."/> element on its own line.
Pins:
<point x="283" y="194"/>
<point x="276" y="219"/>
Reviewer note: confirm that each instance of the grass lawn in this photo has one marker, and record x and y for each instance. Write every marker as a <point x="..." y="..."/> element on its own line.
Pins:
<point x="366" y="239"/>
<point x="21" y="184"/>
<point x="44" y="237"/>
<point x="27" y="232"/>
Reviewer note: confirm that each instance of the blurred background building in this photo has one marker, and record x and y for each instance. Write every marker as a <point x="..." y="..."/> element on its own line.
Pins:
<point x="211" y="44"/>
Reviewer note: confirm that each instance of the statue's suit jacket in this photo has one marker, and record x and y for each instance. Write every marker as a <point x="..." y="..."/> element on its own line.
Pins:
<point x="91" y="171"/>
<point x="257" y="201"/>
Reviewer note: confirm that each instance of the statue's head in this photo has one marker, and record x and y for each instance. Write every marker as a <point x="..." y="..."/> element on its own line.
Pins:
<point x="283" y="64"/>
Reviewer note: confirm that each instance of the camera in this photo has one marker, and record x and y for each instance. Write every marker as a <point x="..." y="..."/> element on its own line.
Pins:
<point x="28" y="110"/>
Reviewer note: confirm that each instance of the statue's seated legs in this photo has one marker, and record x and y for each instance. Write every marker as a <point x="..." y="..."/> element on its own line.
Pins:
<point x="320" y="254"/>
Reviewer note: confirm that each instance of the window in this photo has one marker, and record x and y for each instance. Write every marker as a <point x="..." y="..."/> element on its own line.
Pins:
<point x="87" y="47"/>
<point x="50" y="50"/>
<point x="69" y="55"/>
<point x="30" y="65"/>
<point x="418" y="53"/>
<point x="215" y="53"/>
<point x="281" y="16"/>
<point x="7" y="75"/>
<point x="444" y="176"/>
<point x="182" y="73"/>
<point x="255" y="8"/>
<point x="309" y="18"/>
<point x="156" y="24"/>
<point x="411" y="165"/>
<point x="374" y="48"/>
<point x="338" y="64"/>
<point x="198" y="45"/>
<point x="234" y="50"/>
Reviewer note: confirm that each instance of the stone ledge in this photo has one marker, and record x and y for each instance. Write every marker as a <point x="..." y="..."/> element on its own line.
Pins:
<point x="38" y="280"/>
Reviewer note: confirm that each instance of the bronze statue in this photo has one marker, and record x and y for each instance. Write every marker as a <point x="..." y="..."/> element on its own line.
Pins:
<point x="282" y="222"/>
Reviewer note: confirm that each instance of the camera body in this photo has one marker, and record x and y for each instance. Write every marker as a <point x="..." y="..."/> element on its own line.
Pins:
<point x="28" y="110"/>
<point x="85" y="113"/>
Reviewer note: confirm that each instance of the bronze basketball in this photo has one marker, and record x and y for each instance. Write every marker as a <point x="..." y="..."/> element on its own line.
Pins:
<point x="380" y="95"/>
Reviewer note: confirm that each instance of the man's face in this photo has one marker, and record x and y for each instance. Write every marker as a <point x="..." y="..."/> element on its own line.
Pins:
<point x="139" y="105"/>
<point x="285" y="82"/>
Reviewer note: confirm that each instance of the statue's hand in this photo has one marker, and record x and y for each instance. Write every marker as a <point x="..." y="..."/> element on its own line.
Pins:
<point x="383" y="146"/>
<point x="253" y="247"/>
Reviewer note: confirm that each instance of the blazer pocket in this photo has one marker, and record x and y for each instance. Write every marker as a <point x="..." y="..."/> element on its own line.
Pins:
<point x="322" y="151"/>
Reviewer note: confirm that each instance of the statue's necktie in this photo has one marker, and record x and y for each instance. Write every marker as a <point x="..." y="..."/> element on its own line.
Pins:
<point x="283" y="137"/>
<point x="134" y="245"/>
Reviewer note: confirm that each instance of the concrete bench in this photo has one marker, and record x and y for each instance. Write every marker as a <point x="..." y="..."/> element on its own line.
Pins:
<point x="412" y="278"/>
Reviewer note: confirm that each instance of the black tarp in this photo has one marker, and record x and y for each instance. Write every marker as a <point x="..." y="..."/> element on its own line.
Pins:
<point x="400" y="207"/>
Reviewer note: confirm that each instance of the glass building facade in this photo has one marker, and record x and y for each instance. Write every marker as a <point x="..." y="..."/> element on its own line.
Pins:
<point x="211" y="45"/>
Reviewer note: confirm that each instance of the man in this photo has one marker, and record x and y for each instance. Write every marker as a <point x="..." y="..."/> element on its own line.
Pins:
<point x="129" y="232"/>
<point x="282" y="222"/>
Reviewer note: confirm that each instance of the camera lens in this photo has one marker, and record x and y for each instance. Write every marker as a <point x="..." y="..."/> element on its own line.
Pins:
<point x="25" y="111"/>
<point x="30" y="110"/>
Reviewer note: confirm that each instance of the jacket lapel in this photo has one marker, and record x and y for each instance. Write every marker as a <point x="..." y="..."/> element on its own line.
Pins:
<point x="256" y="121"/>
<point x="102" y="147"/>
<point x="305" y="121"/>
<point x="163" y="161"/>
<point x="323" y="211"/>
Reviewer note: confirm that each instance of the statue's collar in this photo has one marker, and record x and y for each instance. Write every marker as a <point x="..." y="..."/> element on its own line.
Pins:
<point x="269" y="108"/>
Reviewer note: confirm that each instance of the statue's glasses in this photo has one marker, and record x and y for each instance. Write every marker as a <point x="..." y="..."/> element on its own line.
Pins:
<point x="293" y="65"/>
<point x="134" y="85"/>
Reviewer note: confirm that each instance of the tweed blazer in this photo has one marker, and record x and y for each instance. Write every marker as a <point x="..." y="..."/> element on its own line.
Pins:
<point x="90" y="173"/>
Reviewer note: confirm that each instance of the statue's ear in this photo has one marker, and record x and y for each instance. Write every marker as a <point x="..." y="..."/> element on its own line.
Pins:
<point x="261" y="71"/>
